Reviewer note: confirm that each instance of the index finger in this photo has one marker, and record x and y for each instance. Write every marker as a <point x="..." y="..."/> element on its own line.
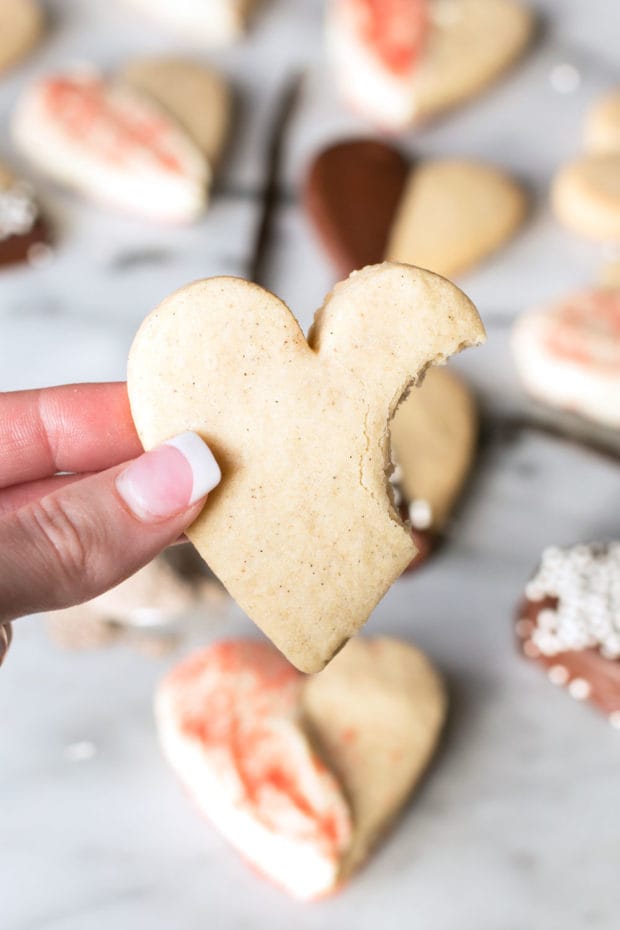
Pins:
<point x="72" y="428"/>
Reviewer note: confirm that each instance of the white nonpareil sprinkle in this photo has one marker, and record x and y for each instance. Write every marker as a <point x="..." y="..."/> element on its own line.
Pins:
<point x="420" y="514"/>
<point x="586" y="582"/>
<point x="18" y="211"/>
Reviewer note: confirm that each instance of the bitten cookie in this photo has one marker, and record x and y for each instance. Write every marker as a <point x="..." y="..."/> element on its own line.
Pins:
<point x="22" y="227"/>
<point x="568" y="355"/>
<point x="204" y="22"/>
<point x="367" y="204"/>
<point x="195" y="96"/>
<point x="21" y="25"/>
<point x="301" y="530"/>
<point x="401" y="61"/>
<point x="302" y="775"/>
<point x="112" y="144"/>
<point x="569" y="622"/>
<point x="433" y="436"/>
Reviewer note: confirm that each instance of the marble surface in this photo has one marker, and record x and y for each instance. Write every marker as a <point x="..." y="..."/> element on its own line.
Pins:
<point x="518" y="825"/>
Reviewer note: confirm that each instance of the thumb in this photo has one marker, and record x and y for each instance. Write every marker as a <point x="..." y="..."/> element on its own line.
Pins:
<point x="90" y="535"/>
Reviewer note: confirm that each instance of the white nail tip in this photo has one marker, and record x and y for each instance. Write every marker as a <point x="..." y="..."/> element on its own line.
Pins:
<point x="205" y="470"/>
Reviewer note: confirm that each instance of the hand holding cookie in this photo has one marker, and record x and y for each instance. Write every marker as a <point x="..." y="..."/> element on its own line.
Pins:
<point x="80" y="508"/>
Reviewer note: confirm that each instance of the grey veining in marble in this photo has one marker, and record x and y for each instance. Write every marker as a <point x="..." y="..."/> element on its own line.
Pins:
<point x="518" y="826"/>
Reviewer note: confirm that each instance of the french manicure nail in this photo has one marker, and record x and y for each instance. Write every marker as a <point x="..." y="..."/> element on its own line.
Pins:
<point x="170" y="478"/>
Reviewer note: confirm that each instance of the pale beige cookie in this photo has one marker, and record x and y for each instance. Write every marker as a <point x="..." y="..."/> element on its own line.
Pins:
<point x="21" y="25"/>
<point x="197" y="97"/>
<point x="602" y="132"/>
<point x="454" y="213"/>
<point x="470" y="44"/>
<point x="433" y="442"/>
<point x="586" y="196"/>
<point x="301" y="530"/>
<point x="399" y="63"/>
<point x="376" y="714"/>
<point x="203" y="22"/>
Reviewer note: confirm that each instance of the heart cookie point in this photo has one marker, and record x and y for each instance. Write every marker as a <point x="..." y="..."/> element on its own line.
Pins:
<point x="301" y="531"/>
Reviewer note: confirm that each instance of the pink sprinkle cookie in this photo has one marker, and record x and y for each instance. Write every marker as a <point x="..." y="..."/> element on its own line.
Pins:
<point x="113" y="145"/>
<point x="400" y="61"/>
<point x="228" y="723"/>
<point x="303" y="774"/>
<point x="568" y="355"/>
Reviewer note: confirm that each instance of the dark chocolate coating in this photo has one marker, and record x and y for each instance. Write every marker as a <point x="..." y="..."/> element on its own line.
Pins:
<point x="601" y="674"/>
<point x="15" y="249"/>
<point x="351" y="195"/>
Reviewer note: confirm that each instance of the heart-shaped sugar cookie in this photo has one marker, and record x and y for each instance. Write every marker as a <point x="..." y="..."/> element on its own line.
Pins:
<point x="302" y="775"/>
<point x="568" y="354"/>
<point x="444" y="215"/>
<point x="112" y="144"/>
<point x="301" y="530"/>
<point x="400" y="62"/>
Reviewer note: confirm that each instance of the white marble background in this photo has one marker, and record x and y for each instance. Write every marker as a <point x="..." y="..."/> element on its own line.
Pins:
<point x="518" y="826"/>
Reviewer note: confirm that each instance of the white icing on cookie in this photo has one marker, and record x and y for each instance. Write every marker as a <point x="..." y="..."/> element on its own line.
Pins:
<point x="18" y="211"/>
<point x="585" y="579"/>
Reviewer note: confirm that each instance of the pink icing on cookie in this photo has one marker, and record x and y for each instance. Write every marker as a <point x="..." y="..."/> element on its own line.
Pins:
<point x="394" y="29"/>
<point x="114" y="128"/>
<point x="586" y="329"/>
<point x="238" y="702"/>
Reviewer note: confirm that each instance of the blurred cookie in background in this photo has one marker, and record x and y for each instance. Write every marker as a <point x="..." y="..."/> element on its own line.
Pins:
<point x="455" y="213"/>
<point x="433" y="439"/>
<point x="568" y="354"/>
<point x="398" y="62"/>
<point x="369" y="204"/>
<point x="146" y="611"/>
<point x="21" y="27"/>
<point x="203" y="22"/>
<point x="195" y="96"/>
<point x="118" y="145"/>
<point x="602" y="131"/>
<point x="24" y="234"/>
<point x="569" y="622"/>
<point x="585" y="193"/>
<point x="302" y="774"/>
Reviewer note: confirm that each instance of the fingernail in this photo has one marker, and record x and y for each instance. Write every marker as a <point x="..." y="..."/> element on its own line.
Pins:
<point x="169" y="479"/>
